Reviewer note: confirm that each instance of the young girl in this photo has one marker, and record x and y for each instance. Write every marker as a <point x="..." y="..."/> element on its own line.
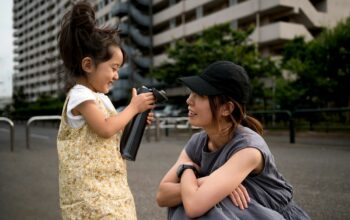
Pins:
<point x="229" y="151"/>
<point x="92" y="174"/>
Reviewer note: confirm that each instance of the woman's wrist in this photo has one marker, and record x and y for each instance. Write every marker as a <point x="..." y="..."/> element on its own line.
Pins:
<point x="182" y="167"/>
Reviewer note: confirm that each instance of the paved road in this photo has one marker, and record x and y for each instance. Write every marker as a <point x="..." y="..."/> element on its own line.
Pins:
<point x="317" y="165"/>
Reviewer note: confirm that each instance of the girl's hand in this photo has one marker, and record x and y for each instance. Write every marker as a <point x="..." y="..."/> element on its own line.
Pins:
<point x="240" y="197"/>
<point x="142" y="102"/>
<point x="150" y="118"/>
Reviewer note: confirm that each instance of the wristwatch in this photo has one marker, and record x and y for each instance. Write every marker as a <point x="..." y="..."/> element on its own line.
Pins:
<point x="183" y="167"/>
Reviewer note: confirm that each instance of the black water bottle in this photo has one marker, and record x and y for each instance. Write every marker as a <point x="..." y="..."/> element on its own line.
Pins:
<point x="133" y="132"/>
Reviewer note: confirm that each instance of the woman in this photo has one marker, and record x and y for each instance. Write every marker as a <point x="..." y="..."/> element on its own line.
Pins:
<point x="229" y="151"/>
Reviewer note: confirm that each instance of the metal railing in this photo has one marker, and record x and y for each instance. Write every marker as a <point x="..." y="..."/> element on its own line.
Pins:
<point x="292" y="116"/>
<point x="169" y="123"/>
<point x="290" y="119"/>
<point x="181" y="123"/>
<point x="11" y="124"/>
<point x="38" y="118"/>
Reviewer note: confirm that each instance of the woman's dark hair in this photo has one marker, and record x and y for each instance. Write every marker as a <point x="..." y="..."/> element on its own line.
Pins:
<point x="80" y="37"/>
<point x="238" y="116"/>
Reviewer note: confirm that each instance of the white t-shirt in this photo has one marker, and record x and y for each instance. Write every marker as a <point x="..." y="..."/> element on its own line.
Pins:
<point x="79" y="94"/>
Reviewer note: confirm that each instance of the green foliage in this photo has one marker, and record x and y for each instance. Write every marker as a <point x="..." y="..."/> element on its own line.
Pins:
<point x="217" y="43"/>
<point x="44" y="105"/>
<point x="322" y="68"/>
<point x="220" y="42"/>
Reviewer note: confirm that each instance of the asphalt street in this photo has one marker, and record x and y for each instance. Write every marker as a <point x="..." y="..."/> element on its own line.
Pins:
<point x="317" y="165"/>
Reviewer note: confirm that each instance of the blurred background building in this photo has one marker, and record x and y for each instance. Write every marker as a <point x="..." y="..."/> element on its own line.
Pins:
<point x="149" y="27"/>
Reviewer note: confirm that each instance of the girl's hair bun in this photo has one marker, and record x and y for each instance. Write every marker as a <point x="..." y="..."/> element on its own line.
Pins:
<point x="80" y="37"/>
<point x="83" y="17"/>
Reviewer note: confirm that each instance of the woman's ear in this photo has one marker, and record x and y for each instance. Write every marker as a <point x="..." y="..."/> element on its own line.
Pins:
<point x="87" y="64"/>
<point x="228" y="108"/>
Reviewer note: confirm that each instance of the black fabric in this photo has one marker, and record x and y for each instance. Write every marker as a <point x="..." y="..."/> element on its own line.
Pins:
<point x="268" y="189"/>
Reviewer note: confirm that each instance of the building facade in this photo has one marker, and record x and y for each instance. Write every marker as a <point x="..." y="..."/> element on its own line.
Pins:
<point x="36" y="59"/>
<point x="276" y="21"/>
<point x="38" y="69"/>
<point x="151" y="26"/>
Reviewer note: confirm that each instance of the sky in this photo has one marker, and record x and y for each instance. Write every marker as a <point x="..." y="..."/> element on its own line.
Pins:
<point x="6" y="48"/>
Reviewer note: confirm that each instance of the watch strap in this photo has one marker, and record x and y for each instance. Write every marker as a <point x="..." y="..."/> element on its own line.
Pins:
<point x="184" y="167"/>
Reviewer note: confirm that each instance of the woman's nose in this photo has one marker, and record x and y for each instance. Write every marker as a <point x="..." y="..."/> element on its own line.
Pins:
<point x="189" y="100"/>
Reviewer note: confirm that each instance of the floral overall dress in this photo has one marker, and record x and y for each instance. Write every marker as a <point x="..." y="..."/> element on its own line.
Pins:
<point x="92" y="174"/>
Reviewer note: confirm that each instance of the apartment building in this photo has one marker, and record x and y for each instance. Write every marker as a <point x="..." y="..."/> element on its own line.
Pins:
<point x="276" y="21"/>
<point x="38" y="69"/>
<point x="150" y="26"/>
<point x="37" y="65"/>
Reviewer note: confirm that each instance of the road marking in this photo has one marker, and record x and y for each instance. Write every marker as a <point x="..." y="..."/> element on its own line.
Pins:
<point x="40" y="136"/>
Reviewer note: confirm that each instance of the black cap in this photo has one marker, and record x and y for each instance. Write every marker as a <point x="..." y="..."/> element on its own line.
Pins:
<point x="221" y="78"/>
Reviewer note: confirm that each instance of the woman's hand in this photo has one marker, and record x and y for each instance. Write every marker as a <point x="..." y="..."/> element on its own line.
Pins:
<point x="240" y="197"/>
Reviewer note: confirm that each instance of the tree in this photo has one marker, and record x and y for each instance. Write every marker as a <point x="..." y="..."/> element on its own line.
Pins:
<point x="335" y="44"/>
<point x="220" y="42"/>
<point x="19" y="98"/>
<point x="322" y="68"/>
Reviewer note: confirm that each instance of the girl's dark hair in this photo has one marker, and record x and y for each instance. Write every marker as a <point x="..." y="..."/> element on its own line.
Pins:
<point x="80" y="37"/>
<point x="238" y="116"/>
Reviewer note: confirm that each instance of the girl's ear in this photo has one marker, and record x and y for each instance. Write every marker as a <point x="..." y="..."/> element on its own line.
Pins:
<point x="227" y="108"/>
<point x="87" y="64"/>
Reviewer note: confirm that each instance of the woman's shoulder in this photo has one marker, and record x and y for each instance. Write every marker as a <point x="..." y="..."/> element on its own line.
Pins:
<point x="199" y="136"/>
<point x="196" y="141"/>
<point x="195" y="145"/>
<point x="248" y="136"/>
<point x="245" y="137"/>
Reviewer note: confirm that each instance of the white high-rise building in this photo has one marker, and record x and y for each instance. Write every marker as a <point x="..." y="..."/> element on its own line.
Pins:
<point x="38" y="69"/>
<point x="150" y="26"/>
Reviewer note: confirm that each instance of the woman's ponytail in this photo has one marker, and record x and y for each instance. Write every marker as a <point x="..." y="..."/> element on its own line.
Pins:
<point x="253" y="124"/>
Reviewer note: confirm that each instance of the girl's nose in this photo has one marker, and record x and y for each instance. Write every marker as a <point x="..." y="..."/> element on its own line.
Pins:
<point x="116" y="76"/>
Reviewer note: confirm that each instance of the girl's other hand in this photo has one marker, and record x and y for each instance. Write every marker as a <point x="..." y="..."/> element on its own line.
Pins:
<point x="150" y="118"/>
<point x="240" y="197"/>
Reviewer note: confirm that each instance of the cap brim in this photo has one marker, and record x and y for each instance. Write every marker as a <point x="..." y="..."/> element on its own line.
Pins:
<point x="199" y="85"/>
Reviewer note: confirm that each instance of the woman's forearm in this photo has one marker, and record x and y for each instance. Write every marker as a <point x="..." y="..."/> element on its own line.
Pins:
<point x="189" y="186"/>
<point x="169" y="194"/>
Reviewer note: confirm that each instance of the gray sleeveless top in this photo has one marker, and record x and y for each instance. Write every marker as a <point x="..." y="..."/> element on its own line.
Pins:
<point x="271" y="195"/>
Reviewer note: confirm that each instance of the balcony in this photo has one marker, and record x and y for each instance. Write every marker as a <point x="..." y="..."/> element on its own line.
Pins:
<point x="144" y="2"/>
<point x="141" y="19"/>
<point x="124" y="72"/>
<point x="124" y="29"/>
<point x="140" y="39"/>
<point x="142" y="61"/>
<point x="120" y="9"/>
<point x="279" y="32"/>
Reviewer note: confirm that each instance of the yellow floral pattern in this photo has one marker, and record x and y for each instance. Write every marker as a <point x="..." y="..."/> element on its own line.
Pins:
<point x="92" y="174"/>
